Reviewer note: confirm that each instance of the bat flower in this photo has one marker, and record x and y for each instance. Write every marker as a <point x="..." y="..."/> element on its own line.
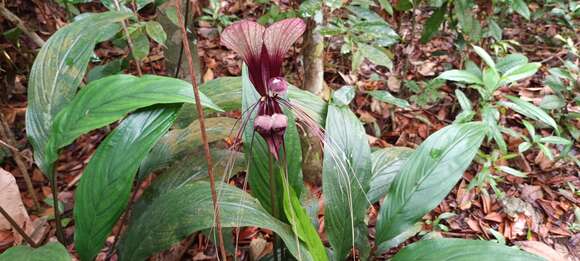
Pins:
<point x="263" y="50"/>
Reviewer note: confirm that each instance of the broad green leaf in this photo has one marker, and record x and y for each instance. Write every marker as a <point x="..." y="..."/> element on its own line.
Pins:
<point x="156" y="32"/>
<point x="225" y="92"/>
<point x="259" y="156"/>
<point x="484" y="56"/>
<point x="100" y="71"/>
<point x="310" y="103"/>
<point x="461" y="76"/>
<point x="301" y="225"/>
<point x="510" y="61"/>
<point x="524" y="146"/>
<point x="552" y="102"/>
<point x="530" y="110"/>
<point x="48" y="252"/>
<point x="105" y="186"/>
<point x="344" y="95"/>
<point x="404" y="5"/>
<point x="346" y="175"/>
<point x="357" y="59"/>
<point x="109" y="99"/>
<point x="376" y="55"/>
<point x="179" y="143"/>
<point x="490" y="79"/>
<point x="175" y="215"/>
<point x="464" y="14"/>
<point x="56" y="74"/>
<point x="521" y="8"/>
<point x="433" y="24"/>
<point x="519" y="72"/>
<point x="387" y="97"/>
<point x="473" y="68"/>
<point x="141" y="44"/>
<point x="385" y="4"/>
<point x="427" y="177"/>
<point x="386" y="165"/>
<point x="447" y="249"/>
<point x="494" y="31"/>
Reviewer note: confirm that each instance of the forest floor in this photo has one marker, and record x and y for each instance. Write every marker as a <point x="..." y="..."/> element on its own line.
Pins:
<point x="539" y="207"/>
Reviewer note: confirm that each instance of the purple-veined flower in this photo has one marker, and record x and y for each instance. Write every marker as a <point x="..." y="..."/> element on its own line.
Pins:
<point x="263" y="50"/>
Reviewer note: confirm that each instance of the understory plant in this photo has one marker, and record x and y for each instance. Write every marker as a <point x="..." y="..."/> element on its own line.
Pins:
<point x="157" y="132"/>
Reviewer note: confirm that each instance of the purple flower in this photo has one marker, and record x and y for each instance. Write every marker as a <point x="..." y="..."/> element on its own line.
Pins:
<point x="263" y="50"/>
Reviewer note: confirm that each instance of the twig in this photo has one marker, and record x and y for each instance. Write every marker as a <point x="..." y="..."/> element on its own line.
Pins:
<point x="129" y="41"/>
<point x="18" y="228"/>
<point x="20" y="24"/>
<point x="180" y="58"/>
<point x="200" y="112"/>
<point x="17" y="156"/>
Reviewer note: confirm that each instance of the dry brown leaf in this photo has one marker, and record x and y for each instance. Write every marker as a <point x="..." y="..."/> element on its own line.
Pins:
<point x="12" y="203"/>
<point x="541" y="249"/>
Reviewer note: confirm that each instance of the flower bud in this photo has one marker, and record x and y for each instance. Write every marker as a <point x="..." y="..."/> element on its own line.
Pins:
<point x="263" y="124"/>
<point x="278" y="85"/>
<point x="279" y="123"/>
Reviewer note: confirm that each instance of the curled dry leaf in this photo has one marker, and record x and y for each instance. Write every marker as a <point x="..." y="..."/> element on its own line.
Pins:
<point x="541" y="249"/>
<point x="11" y="202"/>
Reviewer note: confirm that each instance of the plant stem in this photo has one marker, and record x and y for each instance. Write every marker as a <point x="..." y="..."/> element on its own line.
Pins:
<point x="20" y="24"/>
<point x="201" y="114"/>
<point x="412" y="37"/>
<point x="18" y="228"/>
<point x="273" y="203"/>
<point x="180" y="58"/>
<point x="57" y="219"/>
<point x="129" y="41"/>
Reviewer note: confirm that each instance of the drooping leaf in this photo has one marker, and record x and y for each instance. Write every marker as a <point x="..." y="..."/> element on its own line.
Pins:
<point x="427" y="177"/>
<point x="484" y="56"/>
<point x="56" y="74"/>
<point x="387" y="97"/>
<point x="301" y="225"/>
<point x="346" y="174"/>
<point x="50" y="251"/>
<point x="519" y="72"/>
<point x="386" y="165"/>
<point x="180" y="212"/>
<point x="530" y="111"/>
<point x="109" y="99"/>
<point x="105" y="186"/>
<point x="448" y="249"/>
<point x="259" y="156"/>
<point x="521" y="8"/>
<point x="433" y="23"/>
<point x="511" y="61"/>
<point x="179" y="143"/>
<point x="156" y="32"/>
<point x="461" y="76"/>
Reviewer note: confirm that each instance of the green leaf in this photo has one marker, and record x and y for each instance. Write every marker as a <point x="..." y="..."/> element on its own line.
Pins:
<point x="510" y="61"/>
<point x="461" y="76"/>
<point x="490" y="79"/>
<point x="433" y="24"/>
<point x="521" y="8"/>
<point x="490" y="117"/>
<point x="519" y="72"/>
<point x="386" y="165"/>
<point x="376" y="55"/>
<point x="48" y="252"/>
<point x="110" y="68"/>
<point x="530" y="111"/>
<point x="387" y="97"/>
<point x="156" y="32"/>
<point x="385" y="4"/>
<point x="448" y="249"/>
<point x="524" y="146"/>
<point x="484" y="56"/>
<point x="254" y="145"/>
<point x="109" y="99"/>
<point x="346" y="175"/>
<point x="141" y="45"/>
<point x="301" y="224"/>
<point x="427" y="177"/>
<point x="333" y="4"/>
<point x="404" y="5"/>
<point x="494" y="31"/>
<point x="463" y="100"/>
<point x="180" y="212"/>
<point x="552" y="102"/>
<point x="343" y="96"/>
<point x="56" y="74"/>
<point x="106" y="183"/>
<point x="512" y="171"/>
<point x="555" y="140"/>
<point x="180" y="143"/>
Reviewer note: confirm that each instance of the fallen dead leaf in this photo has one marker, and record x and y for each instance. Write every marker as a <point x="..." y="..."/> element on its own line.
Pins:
<point x="12" y="203"/>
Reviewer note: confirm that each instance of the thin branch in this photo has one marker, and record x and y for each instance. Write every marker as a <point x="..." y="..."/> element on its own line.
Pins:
<point x="7" y="134"/>
<point x="20" y="24"/>
<point x="129" y="41"/>
<point x="201" y="114"/>
<point x="18" y="229"/>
